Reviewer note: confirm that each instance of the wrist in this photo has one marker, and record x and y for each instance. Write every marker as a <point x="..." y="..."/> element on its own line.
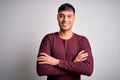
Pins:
<point x="57" y="61"/>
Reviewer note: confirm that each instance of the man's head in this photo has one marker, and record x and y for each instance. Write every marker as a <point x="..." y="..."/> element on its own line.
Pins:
<point x="66" y="6"/>
<point x="66" y="16"/>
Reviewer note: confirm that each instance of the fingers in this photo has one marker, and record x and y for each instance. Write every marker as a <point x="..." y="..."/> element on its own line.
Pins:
<point x="81" y="52"/>
<point x="82" y="56"/>
<point x="43" y="54"/>
<point x="42" y="59"/>
<point x="83" y="59"/>
<point x="43" y="62"/>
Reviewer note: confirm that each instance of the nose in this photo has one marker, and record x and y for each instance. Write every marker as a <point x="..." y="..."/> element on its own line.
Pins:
<point x="65" y="18"/>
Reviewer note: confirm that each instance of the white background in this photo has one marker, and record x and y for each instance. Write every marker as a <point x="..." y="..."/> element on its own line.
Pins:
<point x="23" y="23"/>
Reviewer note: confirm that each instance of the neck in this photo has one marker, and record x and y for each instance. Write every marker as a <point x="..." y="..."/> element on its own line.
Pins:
<point x="66" y="34"/>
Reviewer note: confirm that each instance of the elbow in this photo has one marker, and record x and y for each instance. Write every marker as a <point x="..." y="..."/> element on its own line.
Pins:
<point x="88" y="70"/>
<point x="39" y="73"/>
<point x="43" y="70"/>
<point x="39" y="70"/>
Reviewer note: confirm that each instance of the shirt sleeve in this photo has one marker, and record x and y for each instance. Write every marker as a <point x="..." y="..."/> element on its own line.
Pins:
<point x="85" y="67"/>
<point x="44" y="69"/>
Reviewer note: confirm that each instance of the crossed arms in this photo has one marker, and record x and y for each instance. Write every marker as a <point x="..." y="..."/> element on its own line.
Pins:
<point x="48" y="65"/>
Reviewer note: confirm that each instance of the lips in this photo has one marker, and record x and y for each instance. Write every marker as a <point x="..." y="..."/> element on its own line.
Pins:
<point x="65" y="24"/>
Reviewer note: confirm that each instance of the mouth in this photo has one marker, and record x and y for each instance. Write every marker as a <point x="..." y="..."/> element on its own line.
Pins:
<point x="65" y="24"/>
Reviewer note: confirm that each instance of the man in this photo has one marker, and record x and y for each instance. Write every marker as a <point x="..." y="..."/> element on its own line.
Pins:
<point x="65" y="55"/>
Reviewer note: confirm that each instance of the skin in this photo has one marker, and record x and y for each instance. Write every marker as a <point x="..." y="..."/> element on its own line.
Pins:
<point x="65" y="20"/>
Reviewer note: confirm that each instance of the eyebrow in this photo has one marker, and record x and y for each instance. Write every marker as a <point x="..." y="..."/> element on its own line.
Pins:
<point x="63" y="14"/>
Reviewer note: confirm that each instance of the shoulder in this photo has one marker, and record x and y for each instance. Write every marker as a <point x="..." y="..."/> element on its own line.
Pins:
<point x="80" y="37"/>
<point x="50" y="36"/>
<point x="83" y="40"/>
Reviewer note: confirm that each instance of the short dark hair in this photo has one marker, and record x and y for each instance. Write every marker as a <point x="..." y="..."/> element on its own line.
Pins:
<point x="66" y="6"/>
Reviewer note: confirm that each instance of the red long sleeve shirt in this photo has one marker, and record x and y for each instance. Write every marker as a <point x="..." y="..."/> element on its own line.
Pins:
<point x="65" y="51"/>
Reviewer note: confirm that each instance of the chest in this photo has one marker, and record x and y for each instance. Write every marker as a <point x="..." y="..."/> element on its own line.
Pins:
<point x="65" y="49"/>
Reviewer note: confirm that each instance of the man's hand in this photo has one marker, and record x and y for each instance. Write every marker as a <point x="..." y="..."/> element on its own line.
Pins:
<point x="82" y="56"/>
<point x="47" y="59"/>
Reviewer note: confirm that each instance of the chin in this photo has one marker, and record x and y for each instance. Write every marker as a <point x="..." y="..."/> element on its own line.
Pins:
<point x="65" y="29"/>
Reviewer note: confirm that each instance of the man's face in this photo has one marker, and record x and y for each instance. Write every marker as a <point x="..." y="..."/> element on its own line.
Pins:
<point x="66" y="19"/>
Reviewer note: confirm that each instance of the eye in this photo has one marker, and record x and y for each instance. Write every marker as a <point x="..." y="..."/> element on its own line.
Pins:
<point x="61" y="16"/>
<point x="69" y="16"/>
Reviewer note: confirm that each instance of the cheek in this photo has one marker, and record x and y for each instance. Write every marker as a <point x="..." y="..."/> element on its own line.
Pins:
<point x="72" y="20"/>
<point x="60" y="20"/>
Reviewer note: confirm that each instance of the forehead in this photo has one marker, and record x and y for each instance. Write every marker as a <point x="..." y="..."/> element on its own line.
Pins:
<point x="66" y="12"/>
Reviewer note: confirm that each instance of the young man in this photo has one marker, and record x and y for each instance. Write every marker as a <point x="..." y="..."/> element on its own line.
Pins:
<point x="65" y="55"/>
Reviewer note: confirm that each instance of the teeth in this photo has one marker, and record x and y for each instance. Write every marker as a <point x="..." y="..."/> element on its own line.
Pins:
<point x="65" y="23"/>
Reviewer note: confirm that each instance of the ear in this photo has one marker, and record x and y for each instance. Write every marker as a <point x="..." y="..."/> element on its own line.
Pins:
<point x="74" y="17"/>
<point x="57" y="16"/>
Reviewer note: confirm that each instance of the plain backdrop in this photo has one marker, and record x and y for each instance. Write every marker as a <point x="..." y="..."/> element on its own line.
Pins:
<point x="23" y="24"/>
